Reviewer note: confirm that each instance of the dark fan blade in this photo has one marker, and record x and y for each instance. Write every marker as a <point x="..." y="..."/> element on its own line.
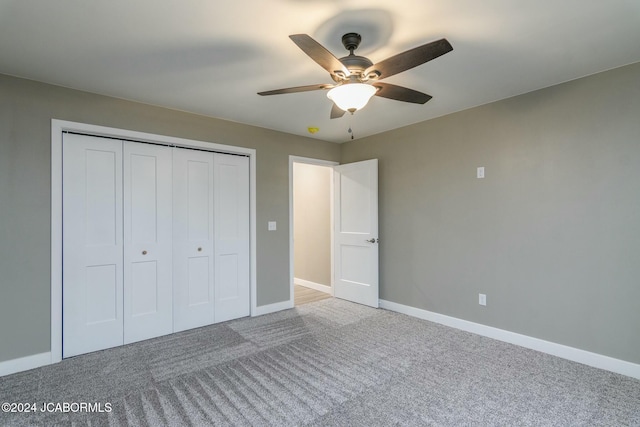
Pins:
<point x="296" y="89"/>
<point x="409" y="59"/>
<point x="400" y="93"/>
<point x="336" y="112"/>
<point x="318" y="53"/>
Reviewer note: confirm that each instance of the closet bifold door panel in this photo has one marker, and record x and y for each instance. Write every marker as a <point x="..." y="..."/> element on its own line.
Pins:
<point x="93" y="244"/>
<point x="148" y="299"/>
<point x="193" y="255"/>
<point x="231" y="212"/>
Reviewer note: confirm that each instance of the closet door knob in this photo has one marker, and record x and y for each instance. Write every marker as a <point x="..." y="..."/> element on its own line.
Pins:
<point x="144" y="252"/>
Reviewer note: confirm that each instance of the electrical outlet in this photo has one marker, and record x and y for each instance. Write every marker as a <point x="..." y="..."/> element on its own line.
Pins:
<point x="482" y="299"/>
<point x="271" y="226"/>
<point x="480" y="172"/>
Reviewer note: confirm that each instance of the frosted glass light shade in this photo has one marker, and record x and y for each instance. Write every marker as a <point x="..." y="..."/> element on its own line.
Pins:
<point x="351" y="96"/>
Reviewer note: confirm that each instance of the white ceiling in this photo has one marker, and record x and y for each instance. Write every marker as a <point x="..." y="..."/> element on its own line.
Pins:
<point x="211" y="57"/>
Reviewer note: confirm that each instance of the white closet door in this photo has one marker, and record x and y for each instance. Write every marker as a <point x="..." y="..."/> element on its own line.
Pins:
<point x="92" y="244"/>
<point x="193" y="291"/>
<point x="148" y="300"/>
<point x="231" y="204"/>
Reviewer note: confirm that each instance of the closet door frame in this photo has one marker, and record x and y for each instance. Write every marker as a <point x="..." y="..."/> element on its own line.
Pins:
<point x="58" y="127"/>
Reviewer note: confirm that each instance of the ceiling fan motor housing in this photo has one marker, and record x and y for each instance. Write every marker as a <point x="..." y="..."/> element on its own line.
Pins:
<point x="354" y="63"/>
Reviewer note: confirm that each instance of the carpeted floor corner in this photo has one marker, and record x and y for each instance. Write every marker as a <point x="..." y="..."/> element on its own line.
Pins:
<point x="327" y="363"/>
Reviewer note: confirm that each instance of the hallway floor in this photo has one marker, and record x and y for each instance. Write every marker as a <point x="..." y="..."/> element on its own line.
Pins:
<point x="304" y="295"/>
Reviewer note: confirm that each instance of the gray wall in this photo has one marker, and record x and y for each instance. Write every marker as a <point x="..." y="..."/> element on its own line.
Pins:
<point x="26" y="110"/>
<point x="312" y="223"/>
<point x="551" y="235"/>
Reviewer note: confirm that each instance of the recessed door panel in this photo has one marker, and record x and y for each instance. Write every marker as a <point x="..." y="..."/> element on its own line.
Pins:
<point x="198" y="287"/>
<point x="227" y="203"/>
<point x="101" y="217"/>
<point x="355" y="199"/>
<point x="101" y="293"/>
<point x="199" y="198"/>
<point x="356" y="264"/>
<point x="227" y="282"/>
<point x="144" y="288"/>
<point x="143" y="205"/>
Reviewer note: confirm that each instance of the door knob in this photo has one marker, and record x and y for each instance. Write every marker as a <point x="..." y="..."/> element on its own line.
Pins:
<point x="199" y="249"/>
<point x="371" y="240"/>
<point x="144" y="252"/>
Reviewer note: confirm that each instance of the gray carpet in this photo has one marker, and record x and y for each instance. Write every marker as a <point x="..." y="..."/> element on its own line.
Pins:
<point x="323" y="364"/>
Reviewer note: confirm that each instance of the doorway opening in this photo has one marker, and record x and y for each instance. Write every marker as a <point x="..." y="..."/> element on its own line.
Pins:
<point x="310" y="226"/>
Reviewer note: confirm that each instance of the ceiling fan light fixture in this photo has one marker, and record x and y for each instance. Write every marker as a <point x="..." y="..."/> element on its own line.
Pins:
<point x="351" y="96"/>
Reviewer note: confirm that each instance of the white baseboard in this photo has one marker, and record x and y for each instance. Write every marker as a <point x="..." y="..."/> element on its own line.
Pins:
<point x="574" y="354"/>
<point x="313" y="285"/>
<point x="570" y="353"/>
<point x="37" y="360"/>
<point x="24" y="363"/>
<point x="272" y="308"/>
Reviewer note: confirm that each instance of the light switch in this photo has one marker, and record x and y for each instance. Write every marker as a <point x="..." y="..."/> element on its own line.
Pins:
<point x="271" y="226"/>
<point x="481" y="172"/>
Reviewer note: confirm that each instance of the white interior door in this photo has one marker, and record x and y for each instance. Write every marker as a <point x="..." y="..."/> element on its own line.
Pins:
<point x="356" y="232"/>
<point x="148" y="300"/>
<point x="92" y="244"/>
<point x="193" y="245"/>
<point x="231" y="207"/>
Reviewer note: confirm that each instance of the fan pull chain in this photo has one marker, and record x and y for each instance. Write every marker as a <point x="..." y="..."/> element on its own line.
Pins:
<point x="350" y="131"/>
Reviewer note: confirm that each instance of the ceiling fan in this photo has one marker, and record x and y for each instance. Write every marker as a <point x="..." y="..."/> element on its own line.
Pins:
<point x="357" y="79"/>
